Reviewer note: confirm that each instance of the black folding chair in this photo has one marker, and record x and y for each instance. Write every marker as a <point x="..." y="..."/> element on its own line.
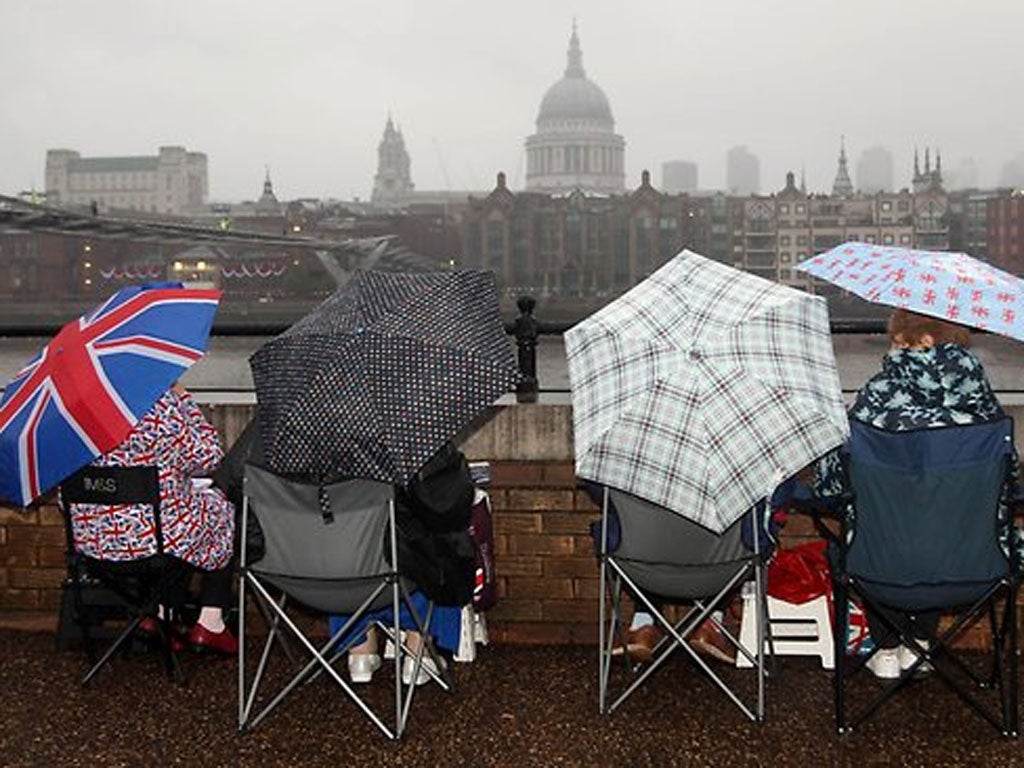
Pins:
<point x="661" y="553"/>
<point x="928" y="530"/>
<point x="126" y="590"/>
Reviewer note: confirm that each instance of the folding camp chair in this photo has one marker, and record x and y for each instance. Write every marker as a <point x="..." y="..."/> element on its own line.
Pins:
<point x="928" y="530"/>
<point x="652" y="551"/>
<point x="131" y="590"/>
<point x="333" y="549"/>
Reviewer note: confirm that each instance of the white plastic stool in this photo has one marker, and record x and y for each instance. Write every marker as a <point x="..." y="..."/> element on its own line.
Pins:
<point x="797" y="629"/>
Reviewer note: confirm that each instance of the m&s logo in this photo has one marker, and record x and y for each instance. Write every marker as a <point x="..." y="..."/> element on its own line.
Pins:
<point x="100" y="484"/>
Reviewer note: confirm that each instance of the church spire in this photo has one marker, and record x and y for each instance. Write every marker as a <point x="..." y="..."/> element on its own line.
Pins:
<point x="575" y="66"/>
<point x="268" y="200"/>
<point x="842" y="186"/>
<point x="393" y="181"/>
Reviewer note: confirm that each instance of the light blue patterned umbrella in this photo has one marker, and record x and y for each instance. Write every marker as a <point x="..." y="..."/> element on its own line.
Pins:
<point x="702" y="388"/>
<point x="950" y="286"/>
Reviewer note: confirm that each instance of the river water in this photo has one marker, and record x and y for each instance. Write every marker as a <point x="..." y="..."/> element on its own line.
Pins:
<point x="224" y="376"/>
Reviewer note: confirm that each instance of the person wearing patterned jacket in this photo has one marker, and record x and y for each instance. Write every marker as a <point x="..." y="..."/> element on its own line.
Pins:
<point x="197" y="520"/>
<point x="929" y="379"/>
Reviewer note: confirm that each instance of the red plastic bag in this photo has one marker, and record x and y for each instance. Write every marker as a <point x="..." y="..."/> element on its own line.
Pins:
<point x="800" y="574"/>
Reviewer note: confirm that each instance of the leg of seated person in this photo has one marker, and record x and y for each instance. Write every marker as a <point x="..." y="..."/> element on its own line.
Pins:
<point x="364" y="659"/>
<point x="414" y="641"/>
<point x="210" y="633"/>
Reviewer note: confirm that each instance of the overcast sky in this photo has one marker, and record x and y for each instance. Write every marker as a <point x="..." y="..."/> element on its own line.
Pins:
<point x="305" y="87"/>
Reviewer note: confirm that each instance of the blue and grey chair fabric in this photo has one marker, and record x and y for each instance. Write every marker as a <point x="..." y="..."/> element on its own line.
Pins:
<point x="332" y="549"/>
<point x="929" y="529"/>
<point x="659" y="556"/>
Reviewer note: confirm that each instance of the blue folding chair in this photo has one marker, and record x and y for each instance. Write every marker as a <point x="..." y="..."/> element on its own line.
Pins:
<point x="928" y="529"/>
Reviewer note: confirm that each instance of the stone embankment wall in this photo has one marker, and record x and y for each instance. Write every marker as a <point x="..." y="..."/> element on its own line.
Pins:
<point x="545" y="557"/>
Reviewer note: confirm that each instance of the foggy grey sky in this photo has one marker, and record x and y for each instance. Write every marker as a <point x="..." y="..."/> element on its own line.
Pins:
<point x="305" y="87"/>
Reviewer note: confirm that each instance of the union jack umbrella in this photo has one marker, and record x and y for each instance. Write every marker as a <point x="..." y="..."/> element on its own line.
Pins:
<point x="81" y="396"/>
<point x="950" y="286"/>
<point x="703" y="388"/>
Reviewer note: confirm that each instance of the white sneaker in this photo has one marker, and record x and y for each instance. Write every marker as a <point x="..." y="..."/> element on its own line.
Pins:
<point x="409" y="664"/>
<point x="908" y="656"/>
<point x="361" y="666"/>
<point x="885" y="664"/>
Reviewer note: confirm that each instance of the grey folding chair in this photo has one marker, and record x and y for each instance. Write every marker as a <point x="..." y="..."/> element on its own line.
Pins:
<point x="333" y="549"/>
<point x="661" y="553"/>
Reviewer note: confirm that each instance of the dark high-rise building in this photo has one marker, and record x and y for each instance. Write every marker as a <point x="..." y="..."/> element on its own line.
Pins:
<point x="742" y="172"/>
<point x="679" y="176"/>
<point x="874" y="171"/>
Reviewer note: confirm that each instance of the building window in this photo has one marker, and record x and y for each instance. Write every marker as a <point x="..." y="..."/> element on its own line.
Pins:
<point x="783" y="239"/>
<point x="801" y="239"/>
<point x="886" y="205"/>
<point x="887" y="239"/>
<point x="905" y="239"/>
<point x="870" y="239"/>
<point x="801" y="208"/>
<point x="903" y="205"/>
<point x="783" y="208"/>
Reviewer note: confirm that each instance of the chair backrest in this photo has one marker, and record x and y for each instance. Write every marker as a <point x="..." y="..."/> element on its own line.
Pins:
<point x="927" y="507"/>
<point x="667" y="554"/>
<point x="326" y="546"/>
<point x="112" y="486"/>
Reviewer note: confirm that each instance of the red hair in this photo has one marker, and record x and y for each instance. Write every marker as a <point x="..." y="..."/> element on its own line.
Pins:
<point x="906" y="327"/>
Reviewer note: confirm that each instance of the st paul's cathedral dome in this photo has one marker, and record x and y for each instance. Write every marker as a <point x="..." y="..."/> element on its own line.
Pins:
<point x="575" y="146"/>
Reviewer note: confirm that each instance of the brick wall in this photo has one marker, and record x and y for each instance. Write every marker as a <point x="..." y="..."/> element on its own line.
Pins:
<point x="548" y="575"/>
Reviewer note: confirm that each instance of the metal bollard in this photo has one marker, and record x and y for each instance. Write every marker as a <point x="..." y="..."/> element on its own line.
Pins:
<point x="525" y="330"/>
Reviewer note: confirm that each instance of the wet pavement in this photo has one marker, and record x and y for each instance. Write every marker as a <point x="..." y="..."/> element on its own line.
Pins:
<point x="514" y="706"/>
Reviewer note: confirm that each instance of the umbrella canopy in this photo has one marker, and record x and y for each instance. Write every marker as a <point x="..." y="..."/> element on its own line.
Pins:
<point x="81" y="396"/>
<point x="375" y="380"/>
<point x="702" y="388"/>
<point x="950" y="286"/>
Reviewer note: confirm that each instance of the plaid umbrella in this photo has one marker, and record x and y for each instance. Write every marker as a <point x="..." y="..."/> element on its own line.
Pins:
<point x="83" y="393"/>
<point x="375" y="380"/>
<point x="702" y="388"/>
<point x="950" y="286"/>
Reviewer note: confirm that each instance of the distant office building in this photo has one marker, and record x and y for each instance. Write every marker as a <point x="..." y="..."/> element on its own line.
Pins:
<point x="874" y="171"/>
<point x="1013" y="173"/>
<point x="969" y="220"/>
<point x="174" y="181"/>
<point x="678" y="176"/>
<point x="575" y="145"/>
<point x="1006" y="232"/>
<point x="964" y="176"/>
<point x="742" y="172"/>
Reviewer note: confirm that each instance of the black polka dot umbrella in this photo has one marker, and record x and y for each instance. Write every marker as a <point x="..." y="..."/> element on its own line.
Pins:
<point x="373" y="381"/>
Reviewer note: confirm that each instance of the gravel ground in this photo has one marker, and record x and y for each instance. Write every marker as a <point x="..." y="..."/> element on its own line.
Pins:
<point x="514" y="706"/>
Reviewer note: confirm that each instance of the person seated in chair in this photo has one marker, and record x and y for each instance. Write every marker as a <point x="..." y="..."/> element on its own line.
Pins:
<point x="435" y="551"/>
<point x="708" y="639"/>
<point x="197" y="521"/>
<point x="929" y="379"/>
